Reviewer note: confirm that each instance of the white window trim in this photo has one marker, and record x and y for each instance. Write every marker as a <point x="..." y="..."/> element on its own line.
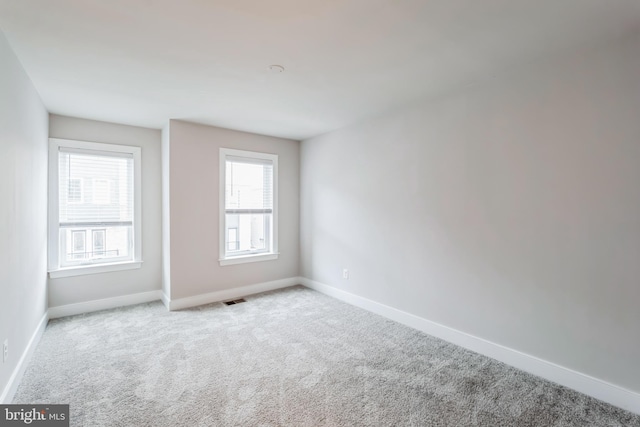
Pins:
<point x="54" y="269"/>
<point x="244" y="258"/>
<point x="248" y="258"/>
<point x="82" y="270"/>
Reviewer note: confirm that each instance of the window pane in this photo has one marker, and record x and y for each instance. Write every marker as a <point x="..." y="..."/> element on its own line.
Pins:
<point x="101" y="192"/>
<point x="78" y="244"/>
<point x="250" y="230"/>
<point x="96" y="201"/>
<point x="248" y="186"/>
<point x="95" y="188"/>
<point x="232" y="239"/>
<point x="98" y="243"/>
<point x="75" y="190"/>
<point x="110" y="243"/>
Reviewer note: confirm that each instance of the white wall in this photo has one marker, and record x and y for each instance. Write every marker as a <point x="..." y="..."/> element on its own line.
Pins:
<point x="509" y="210"/>
<point x="166" y="213"/>
<point x="77" y="289"/>
<point x="23" y="210"/>
<point x="194" y="216"/>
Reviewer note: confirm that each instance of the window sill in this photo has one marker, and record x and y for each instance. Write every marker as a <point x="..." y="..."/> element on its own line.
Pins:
<point x="248" y="258"/>
<point x="94" y="269"/>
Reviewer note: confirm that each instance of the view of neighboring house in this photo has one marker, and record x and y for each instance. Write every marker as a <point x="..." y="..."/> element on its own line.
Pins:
<point x="96" y="207"/>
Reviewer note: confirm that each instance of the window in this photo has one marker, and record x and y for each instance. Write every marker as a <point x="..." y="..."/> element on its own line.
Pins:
<point x="75" y="190"/>
<point x="101" y="191"/>
<point x="98" y="243"/>
<point x="94" y="207"/>
<point x="78" y="237"/>
<point x="232" y="240"/>
<point x="248" y="206"/>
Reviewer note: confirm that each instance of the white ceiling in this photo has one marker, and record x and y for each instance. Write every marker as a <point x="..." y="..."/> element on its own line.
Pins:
<point x="142" y="62"/>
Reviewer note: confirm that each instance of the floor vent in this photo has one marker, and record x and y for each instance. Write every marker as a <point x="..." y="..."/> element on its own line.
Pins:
<point x="235" y="301"/>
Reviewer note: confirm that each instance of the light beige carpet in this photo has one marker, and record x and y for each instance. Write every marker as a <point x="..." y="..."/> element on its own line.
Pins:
<point x="286" y="358"/>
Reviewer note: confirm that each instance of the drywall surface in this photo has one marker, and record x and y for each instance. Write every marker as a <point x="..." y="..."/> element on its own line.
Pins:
<point x="23" y="210"/>
<point x="77" y="289"/>
<point x="166" y="212"/>
<point x="194" y="187"/>
<point x="509" y="210"/>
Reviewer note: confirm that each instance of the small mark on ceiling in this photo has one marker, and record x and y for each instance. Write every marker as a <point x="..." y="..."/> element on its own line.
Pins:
<point x="276" y="69"/>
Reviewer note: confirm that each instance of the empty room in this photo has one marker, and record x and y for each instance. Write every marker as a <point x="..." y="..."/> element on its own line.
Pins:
<point x="320" y="213"/>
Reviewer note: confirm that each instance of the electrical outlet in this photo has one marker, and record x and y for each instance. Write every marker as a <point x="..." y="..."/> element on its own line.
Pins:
<point x="345" y="274"/>
<point x="5" y="351"/>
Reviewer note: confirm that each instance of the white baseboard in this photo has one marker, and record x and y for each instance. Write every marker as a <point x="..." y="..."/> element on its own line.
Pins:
<point x="602" y="390"/>
<point x="104" y="304"/>
<point x="228" y="294"/>
<point x="10" y="389"/>
<point x="166" y="301"/>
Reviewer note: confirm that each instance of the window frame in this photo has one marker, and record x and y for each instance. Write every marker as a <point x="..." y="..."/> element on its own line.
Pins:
<point x="268" y="255"/>
<point x="55" y="270"/>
